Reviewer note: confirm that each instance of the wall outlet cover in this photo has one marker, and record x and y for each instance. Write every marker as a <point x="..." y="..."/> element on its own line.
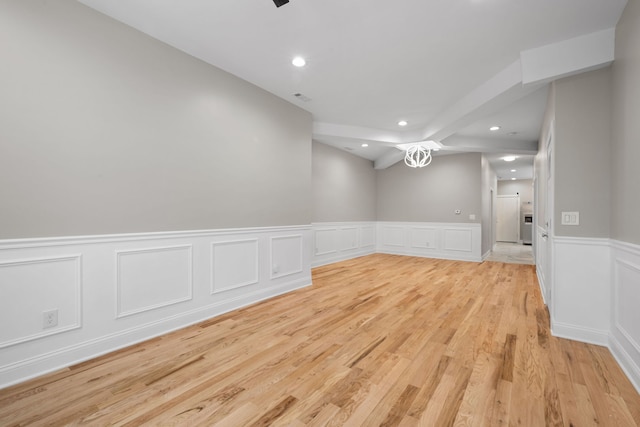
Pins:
<point x="50" y="318"/>
<point x="570" y="218"/>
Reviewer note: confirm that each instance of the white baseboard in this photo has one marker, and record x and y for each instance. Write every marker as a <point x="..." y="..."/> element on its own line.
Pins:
<point x="627" y="362"/>
<point x="577" y="333"/>
<point x="115" y="291"/>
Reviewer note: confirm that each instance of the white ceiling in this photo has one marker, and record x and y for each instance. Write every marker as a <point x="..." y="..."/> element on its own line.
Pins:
<point x="451" y="68"/>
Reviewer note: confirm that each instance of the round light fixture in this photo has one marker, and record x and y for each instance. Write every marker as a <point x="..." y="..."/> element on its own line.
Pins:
<point x="494" y="128"/>
<point x="513" y="179"/>
<point x="513" y="170"/>
<point x="402" y="123"/>
<point x="364" y="145"/>
<point x="509" y="158"/>
<point x="299" y="61"/>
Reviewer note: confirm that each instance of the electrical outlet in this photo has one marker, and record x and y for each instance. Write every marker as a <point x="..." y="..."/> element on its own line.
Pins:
<point x="50" y="318"/>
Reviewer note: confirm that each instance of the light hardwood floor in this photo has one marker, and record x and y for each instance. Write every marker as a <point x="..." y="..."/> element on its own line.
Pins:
<point x="380" y="340"/>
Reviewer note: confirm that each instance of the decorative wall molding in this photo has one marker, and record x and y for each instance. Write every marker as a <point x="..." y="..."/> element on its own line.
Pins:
<point x="234" y="264"/>
<point x="152" y="278"/>
<point x="580" y="289"/>
<point x="286" y="255"/>
<point x="158" y="282"/>
<point x="625" y="329"/>
<point x="339" y="241"/>
<point x="456" y="241"/>
<point x="31" y="286"/>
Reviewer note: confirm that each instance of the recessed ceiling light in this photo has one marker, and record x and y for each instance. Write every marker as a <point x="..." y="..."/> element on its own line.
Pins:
<point x="299" y="61"/>
<point x="402" y="123"/>
<point x="494" y="128"/>
<point x="513" y="170"/>
<point x="364" y="145"/>
<point x="513" y="179"/>
<point x="509" y="158"/>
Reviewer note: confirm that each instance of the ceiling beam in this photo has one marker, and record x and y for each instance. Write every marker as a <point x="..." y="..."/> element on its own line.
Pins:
<point x="530" y="72"/>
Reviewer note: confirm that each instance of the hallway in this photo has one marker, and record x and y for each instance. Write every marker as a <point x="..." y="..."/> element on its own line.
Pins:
<point x="512" y="253"/>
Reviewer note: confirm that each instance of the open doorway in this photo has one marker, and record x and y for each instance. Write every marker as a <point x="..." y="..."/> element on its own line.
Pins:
<point x="513" y="222"/>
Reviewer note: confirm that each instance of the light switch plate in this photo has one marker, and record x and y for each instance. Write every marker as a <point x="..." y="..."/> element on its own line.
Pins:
<point x="570" y="218"/>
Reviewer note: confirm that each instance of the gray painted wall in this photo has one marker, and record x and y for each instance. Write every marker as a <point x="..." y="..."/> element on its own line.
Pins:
<point x="431" y="194"/>
<point x="625" y="178"/>
<point x="489" y="193"/>
<point x="344" y="186"/>
<point x="105" y="130"/>
<point x="582" y="153"/>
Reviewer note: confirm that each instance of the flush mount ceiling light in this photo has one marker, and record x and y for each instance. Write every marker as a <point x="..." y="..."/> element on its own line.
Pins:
<point x="364" y="145"/>
<point x="299" y="61"/>
<point x="402" y="123"/>
<point x="513" y="170"/>
<point x="513" y="179"/>
<point x="509" y="158"/>
<point x="418" y="154"/>
<point x="494" y="128"/>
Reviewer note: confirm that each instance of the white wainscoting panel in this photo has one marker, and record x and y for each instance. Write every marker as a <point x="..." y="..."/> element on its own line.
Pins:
<point x="339" y="241"/>
<point x="581" y="307"/>
<point x="625" y="331"/>
<point x="326" y="241"/>
<point x="151" y="278"/>
<point x="367" y="236"/>
<point x="286" y="255"/>
<point x="424" y="238"/>
<point x="30" y="287"/>
<point x="393" y="236"/>
<point x="133" y="287"/>
<point x="349" y="238"/>
<point x="456" y="241"/>
<point x="234" y="264"/>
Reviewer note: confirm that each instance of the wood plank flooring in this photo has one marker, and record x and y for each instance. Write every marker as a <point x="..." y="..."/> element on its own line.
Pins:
<point x="381" y="340"/>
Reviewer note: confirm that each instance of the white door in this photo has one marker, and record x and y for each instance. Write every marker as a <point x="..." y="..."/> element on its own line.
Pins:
<point x="543" y="228"/>
<point x="508" y="219"/>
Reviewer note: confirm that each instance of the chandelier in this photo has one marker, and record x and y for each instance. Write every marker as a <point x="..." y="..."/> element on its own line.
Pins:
<point x="418" y="154"/>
